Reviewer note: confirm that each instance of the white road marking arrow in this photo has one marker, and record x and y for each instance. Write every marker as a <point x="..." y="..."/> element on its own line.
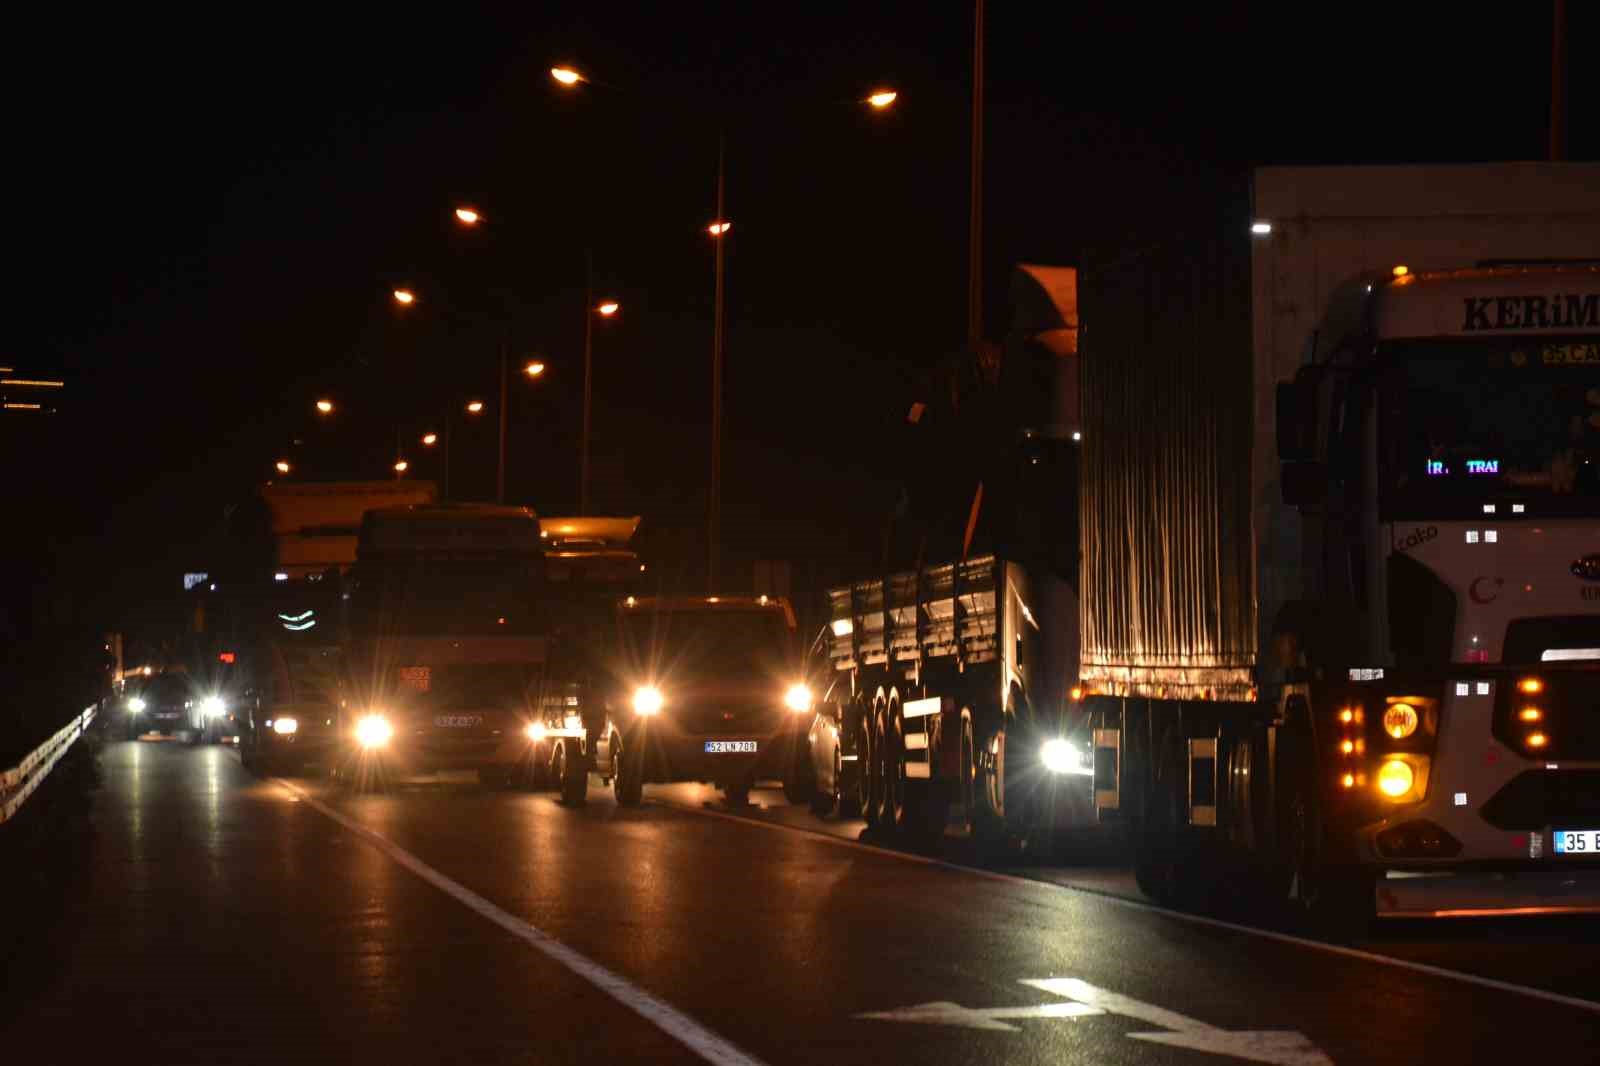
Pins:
<point x="1283" y="1047"/>
<point x="942" y="1013"/>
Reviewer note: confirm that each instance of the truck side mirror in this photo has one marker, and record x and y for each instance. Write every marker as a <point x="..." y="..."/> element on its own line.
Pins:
<point x="1297" y="420"/>
<point x="1304" y="483"/>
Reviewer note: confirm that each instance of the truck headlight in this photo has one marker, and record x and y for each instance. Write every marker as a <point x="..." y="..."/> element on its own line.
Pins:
<point x="213" y="707"/>
<point x="285" y="725"/>
<point x="374" y="731"/>
<point x="1058" y="756"/>
<point x="647" y="700"/>
<point x="798" y="698"/>
<point x="136" y="704"/>
<point x="535" y="731"/>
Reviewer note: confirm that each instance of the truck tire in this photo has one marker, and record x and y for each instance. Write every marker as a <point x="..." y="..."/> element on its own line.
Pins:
<point x="627" y="774"/>
<point x="800" y="782"/>
<point x="572" y="775"/>
<point x="1330" y="900"/>
<point x="984" y="785"/>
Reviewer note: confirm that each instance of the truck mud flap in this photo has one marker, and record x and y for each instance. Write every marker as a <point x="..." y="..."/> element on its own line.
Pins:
<point x="1107" y="770"/>
<point x="1203" y="781"/>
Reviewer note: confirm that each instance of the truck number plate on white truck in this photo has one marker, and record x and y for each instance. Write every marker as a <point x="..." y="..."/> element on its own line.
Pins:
<point x="716" y="747"/>
<point x="1577" y="841"/>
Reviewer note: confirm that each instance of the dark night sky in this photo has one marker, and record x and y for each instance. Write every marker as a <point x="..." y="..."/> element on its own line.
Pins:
<point x="207" y="213"/>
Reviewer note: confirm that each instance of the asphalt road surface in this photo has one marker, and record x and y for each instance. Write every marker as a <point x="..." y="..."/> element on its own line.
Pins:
<point x="217" y="917"/>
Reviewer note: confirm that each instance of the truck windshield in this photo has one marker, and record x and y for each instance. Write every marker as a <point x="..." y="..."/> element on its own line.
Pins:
<point x="427" y="597"/>
<point x="1475" y="422"/>
<point x="709" y="643"/>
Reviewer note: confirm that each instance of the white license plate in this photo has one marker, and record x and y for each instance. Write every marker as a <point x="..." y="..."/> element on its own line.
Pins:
<point x="1577" y="841"/>
<point x="458" y="721"/>
<point x="718" y="747"/>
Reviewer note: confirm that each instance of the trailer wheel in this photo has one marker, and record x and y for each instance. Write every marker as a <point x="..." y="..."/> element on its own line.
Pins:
<point x="875" y="767"/>
<point x="894" y="768"/>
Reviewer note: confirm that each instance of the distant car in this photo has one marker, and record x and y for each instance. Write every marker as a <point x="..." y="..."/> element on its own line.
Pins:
<point x="711" y="690"/>
<point x="158" y="704"/>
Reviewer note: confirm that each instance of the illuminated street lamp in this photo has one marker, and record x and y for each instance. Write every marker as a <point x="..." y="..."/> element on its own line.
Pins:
<point x="717" y="229"/>
<point x="533" y="369"/>
<point x="883" y="98"/>
<point x="609" y="308"/>
<point x="282" y="465"/>
<point x="475" y="407"/>
<point x="430" y="439"/>
<point x="468" y="216"/>
<point x="566" y="76"/>
<point x="325" y="407"/>
<point x="401" y="466"/>
<point x="405" y="297"/>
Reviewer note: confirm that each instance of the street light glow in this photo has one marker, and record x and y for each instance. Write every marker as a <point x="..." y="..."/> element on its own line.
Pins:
<point x="282" y="465"/>
<point x="717" y="229"/>
<point x="325" y="407"/>
<point x="566" y="76"/>
<point x="401" y="466"/>
<point x="610" y="307"/>
<point x="882" y="98"/>
<point x="405" y="296"/>
<point x="533" y="369"/>
<point x="475" y="407"/>
<point x="467" y="216"/>
<point x="430" y="439"/>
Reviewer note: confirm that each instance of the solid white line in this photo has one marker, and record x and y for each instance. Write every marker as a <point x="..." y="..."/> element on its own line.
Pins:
<point x="1589" y="1005"/>
<point x="702" y="1041"/>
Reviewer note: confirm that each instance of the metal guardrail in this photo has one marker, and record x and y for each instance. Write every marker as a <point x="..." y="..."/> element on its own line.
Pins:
<point x="18" y="783"/>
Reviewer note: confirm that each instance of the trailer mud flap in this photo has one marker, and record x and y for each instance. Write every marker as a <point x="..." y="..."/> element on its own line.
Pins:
<point x="1202" y="781"/>
<point x="1107" y="769"/>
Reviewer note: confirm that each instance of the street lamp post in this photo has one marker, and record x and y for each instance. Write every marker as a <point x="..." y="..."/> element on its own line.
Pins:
<point x="569" y="79"/>
<point x="719" y="231"/>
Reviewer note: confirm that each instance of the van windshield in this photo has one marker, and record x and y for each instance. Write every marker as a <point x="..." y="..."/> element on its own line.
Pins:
<point x="709" y="643"/>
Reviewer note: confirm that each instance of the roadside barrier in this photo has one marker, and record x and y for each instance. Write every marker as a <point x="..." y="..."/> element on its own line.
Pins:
<point x="18" y="783"/>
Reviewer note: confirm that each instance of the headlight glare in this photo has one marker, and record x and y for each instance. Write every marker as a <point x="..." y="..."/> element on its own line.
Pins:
<point x="535" y="731"/>
<point x="1058" y="756"/>
<point x="647" y="700"/>
<point x="374" y="731"/>
<point x="136" y="704"/>
<point x="285" y="726"/>
<point x="798" y="698"/>
<point x="213" y="707"/>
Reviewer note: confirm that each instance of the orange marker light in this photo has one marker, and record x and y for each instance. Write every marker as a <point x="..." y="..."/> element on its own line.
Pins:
<point x="1348" y="747"/>
<point x="1530" y="714"/>
<point x="1530" y="685"/>
<point x="1348" y="781"/>
<point x="1537" y="740"/>
<point x="1347" y="716"/>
